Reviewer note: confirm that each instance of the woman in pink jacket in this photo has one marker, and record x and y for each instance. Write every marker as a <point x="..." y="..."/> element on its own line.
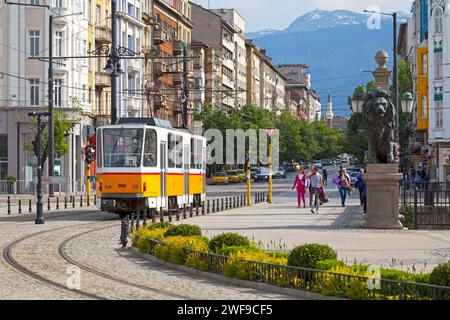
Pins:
<point x="299" y="183"/>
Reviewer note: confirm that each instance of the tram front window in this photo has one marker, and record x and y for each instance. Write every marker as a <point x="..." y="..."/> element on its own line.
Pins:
<point x="122" y="148"/>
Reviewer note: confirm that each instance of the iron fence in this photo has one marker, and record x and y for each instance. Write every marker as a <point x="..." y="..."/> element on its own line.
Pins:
<point x="431" y="209"/>
<point x="29" y="187"/>
<point x="326" y="282"/>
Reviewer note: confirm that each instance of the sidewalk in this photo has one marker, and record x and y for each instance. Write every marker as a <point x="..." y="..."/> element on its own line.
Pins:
<point x="340" y="228"/>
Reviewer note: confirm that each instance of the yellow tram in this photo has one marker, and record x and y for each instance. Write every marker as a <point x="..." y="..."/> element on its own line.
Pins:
<point x="145" y="164"/>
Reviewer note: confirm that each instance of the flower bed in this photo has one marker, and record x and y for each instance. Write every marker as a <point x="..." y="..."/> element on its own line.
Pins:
<point x="234" y="256"/>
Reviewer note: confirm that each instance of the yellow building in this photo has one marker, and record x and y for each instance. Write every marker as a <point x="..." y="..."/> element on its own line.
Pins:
<point x="101" y="28"/>
<point x="422" y="90"/>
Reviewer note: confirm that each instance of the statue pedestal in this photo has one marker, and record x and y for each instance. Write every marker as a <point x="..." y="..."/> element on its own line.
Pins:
<point x="383" y="195"/>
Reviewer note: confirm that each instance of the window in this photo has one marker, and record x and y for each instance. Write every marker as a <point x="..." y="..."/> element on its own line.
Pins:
<point x="59" y="3"/>
<point x="131" y="10"/>
<point x="3" y="157"/>
<point x="34" y="92"/>
<point x="439" y="65"/>
<point x="424" y="70"/>
<point x="83" y="93"/>
<point x="439" y="114"/>
<point x="99" y="150"/>
<point x="131" y="43"/>
<point x="58" y="44"/>
<point x="122" y="148"/>
<point x="34" y="42"/>
<point x="131" y="85"/>
<point x="84" y="51"/>
<point x="98" y="103"/>
<point x="34" y="2"/>
<point x="175" y="147"/>
<point x="437" y="20"/>
<point x="424" y="107"/>
<point x="83" y="9"/>
<point x="196" y="153"/>
<point x="150" y="155"/>
<point x="90" y="11"/>
<point x="58" y="92"/>
<point x="98" y="15"/>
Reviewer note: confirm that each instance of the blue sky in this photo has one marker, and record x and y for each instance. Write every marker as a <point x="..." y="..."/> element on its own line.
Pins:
<point x="263" y="14"/>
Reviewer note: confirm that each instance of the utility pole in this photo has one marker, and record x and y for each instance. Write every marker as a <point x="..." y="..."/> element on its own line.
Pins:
<point x="51" y="128"/>
<point x="185" y="88"/>
<point x="113" y="54"/>
<point x="395" y="74"/>
<point x="37" y="144"/>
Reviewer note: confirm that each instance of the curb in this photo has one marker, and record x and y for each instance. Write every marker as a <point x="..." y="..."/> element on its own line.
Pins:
<point x="296" y="293"/>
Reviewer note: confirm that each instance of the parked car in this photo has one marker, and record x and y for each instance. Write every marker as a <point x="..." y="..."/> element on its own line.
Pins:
<point x="262" y="175"/>
<point x="242" y="175"/>
<point x="327" y="162"/>
<point x="353" y="176"/>
<point x="253" y="172"/>
<point x="220" y="178"/>
<point x="318" y="164"/>
<point x="234" y="177"/>
<point x="279" y="174"/>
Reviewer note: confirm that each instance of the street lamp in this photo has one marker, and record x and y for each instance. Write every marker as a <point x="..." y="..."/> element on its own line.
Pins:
<point x="407" y="102"/>
<point x="37" y="144"/>
<point x="357" y="102"/>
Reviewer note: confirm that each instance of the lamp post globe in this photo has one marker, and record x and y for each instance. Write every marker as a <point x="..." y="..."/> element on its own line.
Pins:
<point x="109" y="68"/>
<point x="357" y="103"/>
<point x="407" y="102"/>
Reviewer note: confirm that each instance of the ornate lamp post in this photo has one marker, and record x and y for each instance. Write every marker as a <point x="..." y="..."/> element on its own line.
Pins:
<point x="357" y="103"/>
<point x="407" y="100"/>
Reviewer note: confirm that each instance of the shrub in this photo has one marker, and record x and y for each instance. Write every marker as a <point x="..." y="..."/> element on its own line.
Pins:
<point x="423" y="278"/>
<point x="184" y="230"/>
<point x="441" y="275"/>
<point x="352" y="288"/>
<point x="227" y="240"/>
<point x="227" y="251"/>
<point x="173" y="248"/>
<point x="11" y="179"/>
<point x="159" y="225"/>
<point x="397" y="275"/>
<point x="195" y="261"/>
<point x="308" y="255"/>
<point x="238" y="265"/>
<point x="326" y="265"/>
<point x="141" y="237"/>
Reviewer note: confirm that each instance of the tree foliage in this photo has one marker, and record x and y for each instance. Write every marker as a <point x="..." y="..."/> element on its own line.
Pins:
<point x="63" y="122"/>
<point x="299" y="140"/>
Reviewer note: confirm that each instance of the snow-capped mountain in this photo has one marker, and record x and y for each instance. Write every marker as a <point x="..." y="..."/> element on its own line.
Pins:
<point x="334" y="44"/>
<point x="323" y="19"/>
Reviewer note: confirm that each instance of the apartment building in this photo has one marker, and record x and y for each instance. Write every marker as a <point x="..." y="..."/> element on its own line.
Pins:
<point x="300" y="90"/>
<point x="219" y="34"/>
<point x="253" y="74"/>
<point x="173" y="33"/>
<point x="24" y="33"/>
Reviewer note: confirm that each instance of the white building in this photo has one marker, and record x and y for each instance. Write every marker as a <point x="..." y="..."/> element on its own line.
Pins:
<point x="439" y="88"/>
<point x="23" y="86"/>
<point x="130" y="28"/>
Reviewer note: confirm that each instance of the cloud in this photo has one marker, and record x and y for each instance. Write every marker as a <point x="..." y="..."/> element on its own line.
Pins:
<point x="263" y="14"/>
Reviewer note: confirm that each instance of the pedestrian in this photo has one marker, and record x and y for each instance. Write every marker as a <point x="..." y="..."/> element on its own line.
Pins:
<point x="299" y="184"/>
<point x="359" y="181"/>
<point x="364" y="194"/>
<point x="325" y="176"/>
<point x="316" y="183"/>
<point x="343" y="186"/>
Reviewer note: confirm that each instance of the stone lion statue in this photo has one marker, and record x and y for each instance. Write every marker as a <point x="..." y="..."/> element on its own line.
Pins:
<point x="379" y="119"/>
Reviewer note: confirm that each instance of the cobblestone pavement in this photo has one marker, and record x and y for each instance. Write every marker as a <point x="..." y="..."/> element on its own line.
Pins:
<point x="282" y="224"/>
<point x="106" y="270"/>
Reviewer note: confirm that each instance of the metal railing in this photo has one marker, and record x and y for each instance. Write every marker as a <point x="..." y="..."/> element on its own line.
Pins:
<point x="330" y="283"/>
<point x="25" y="187"/>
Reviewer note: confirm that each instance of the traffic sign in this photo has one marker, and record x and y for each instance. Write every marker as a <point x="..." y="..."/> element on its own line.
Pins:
<point x="270" y="132"/>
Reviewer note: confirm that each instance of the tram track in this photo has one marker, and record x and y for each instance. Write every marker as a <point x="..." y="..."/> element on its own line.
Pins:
<point x="62" y="252"/>
<point x="9" y="258"/>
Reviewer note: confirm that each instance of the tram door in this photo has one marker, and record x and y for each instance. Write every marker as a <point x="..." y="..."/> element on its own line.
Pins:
<point x="187" y="153"/>
<point x="163" y="159"/>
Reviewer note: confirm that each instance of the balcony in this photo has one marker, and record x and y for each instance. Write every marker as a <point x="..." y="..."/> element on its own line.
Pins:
<point x="159" y="67"/>
<point x="60" y="66"/>
<point x="148" y="20"/>
<point x="60" y="11"/>
<point x="133" y="103"/>
<point x="178" y="47"/>
<point x="103" y="34"/>
<point x="133" y="65"/>
<point x="177" y="79"/>
<point x="102" y="79"/>
<point x="159" y="36"/>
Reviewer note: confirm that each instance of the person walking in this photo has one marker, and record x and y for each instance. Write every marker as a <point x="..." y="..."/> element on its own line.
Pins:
<point x="343" y="186"/>
<point x="325" y="176"/>
<point x="360" y="185"/>
<point x="316" y="183"/>
<point x="299" y="184"/>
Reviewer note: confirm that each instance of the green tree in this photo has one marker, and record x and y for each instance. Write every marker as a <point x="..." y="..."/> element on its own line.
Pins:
<point x="63" y="122"/>
<point x="405" y="84"/>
